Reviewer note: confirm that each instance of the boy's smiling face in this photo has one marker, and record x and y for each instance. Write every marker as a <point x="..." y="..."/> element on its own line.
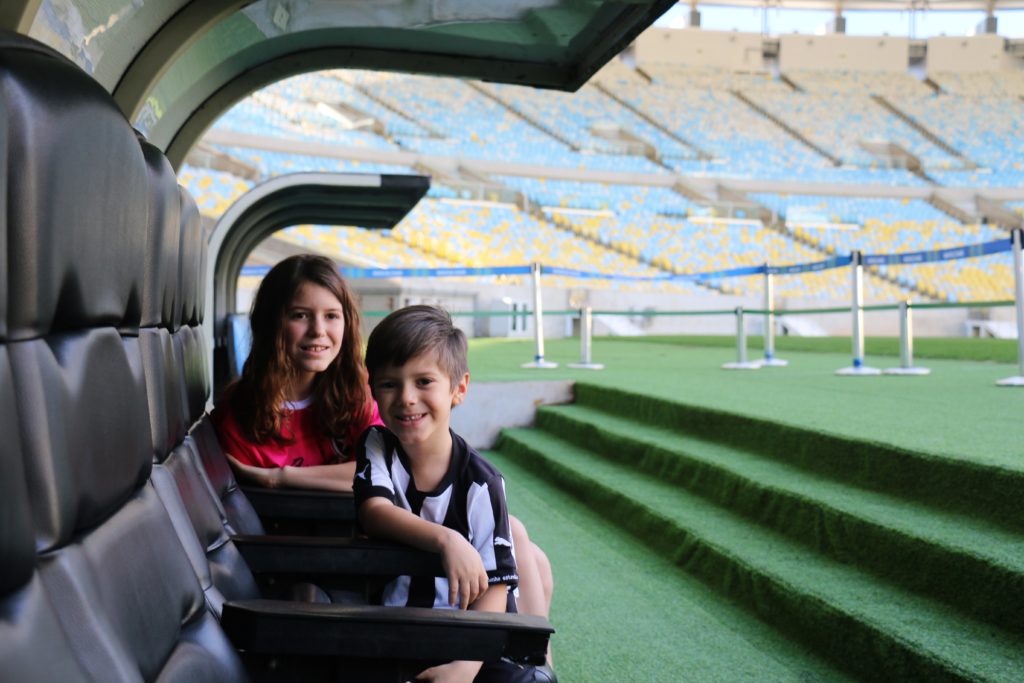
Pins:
<point x="416" y="401"/>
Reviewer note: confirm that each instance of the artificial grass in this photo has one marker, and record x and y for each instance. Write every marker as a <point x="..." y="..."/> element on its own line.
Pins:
<point x="624" y="613"/>
<point x="956" y="412"/>
<point x="865" y="624"/>
<point x="945" y="482"/>
<point x="972" y="564"/>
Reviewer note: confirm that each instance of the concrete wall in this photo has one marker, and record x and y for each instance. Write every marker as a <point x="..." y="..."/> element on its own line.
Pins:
<point x="842" y="52"/>
<point x="699" y="47"/>
<point x="968" y="54"/>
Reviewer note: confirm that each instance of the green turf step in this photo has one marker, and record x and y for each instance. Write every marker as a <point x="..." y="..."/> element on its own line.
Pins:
<point x="624" y="613"/>
<point x="950" y="483"/>
<point x="969" y="563"/>
<point x="849" y="616"/>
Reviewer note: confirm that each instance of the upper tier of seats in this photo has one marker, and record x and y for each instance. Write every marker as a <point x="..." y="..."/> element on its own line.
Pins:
<point x="689" y="120"/>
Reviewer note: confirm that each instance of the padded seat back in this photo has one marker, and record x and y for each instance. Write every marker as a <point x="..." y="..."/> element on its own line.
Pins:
<point x="27" y="612"/>
<point x="95" y="583"/>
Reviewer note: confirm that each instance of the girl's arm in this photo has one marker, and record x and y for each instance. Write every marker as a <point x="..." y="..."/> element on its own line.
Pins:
<point x="337" y="477"/>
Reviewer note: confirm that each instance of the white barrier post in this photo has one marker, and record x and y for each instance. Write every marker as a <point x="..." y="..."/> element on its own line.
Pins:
<point x="857" y="309"/>
<point x="1018" y="292"/>
<point x="741" y="346"/>
<point x="586" y="335"/>
<point x="769" y="324"/>
<point x="906" y="346"/>
<point x="538" y="323"/>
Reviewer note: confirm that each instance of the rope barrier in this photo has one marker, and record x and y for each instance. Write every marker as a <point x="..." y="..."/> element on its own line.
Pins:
<point x="855" y="260"/>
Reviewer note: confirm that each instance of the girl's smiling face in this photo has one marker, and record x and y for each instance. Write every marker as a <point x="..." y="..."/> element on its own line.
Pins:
<point x="314" y="327"/>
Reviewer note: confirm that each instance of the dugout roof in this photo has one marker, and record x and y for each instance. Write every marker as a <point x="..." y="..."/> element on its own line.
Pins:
<point x="174" y="66"/>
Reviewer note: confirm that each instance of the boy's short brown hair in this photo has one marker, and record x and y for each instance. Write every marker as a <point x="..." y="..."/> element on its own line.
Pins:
<point x="413" y="331"/>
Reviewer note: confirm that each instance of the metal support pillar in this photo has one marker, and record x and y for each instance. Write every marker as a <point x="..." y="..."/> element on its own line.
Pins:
<point x="741" y="347"/>
<point x="857" y="309"/>
<point x="538" y="324"/>
<point x="906" y="345"/>
<point x="586" y="338"/>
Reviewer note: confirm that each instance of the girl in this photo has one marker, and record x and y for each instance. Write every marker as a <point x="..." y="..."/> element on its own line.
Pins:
<point x="302" y="400"/>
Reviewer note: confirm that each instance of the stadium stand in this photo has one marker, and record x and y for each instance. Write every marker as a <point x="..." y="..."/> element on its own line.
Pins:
<point x="214" y="191"/>
<point x="367" y="248"/>
<point x="591" y="121"/>
<point x="505" y="235"/>
<point x="888" y="83"/>
<point x="808" y="126"/>
<point x="980" y="83"/>
<point x="841" y="122"/>
<point x="469" y="123"/>
<point x="273" y="163"/>
<point x="980" y="127"/>
<point x="840" y="225"/>
<point x="622" y="199"/>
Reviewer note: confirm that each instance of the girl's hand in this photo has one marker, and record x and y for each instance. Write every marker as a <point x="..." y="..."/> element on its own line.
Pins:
<point x="267" y="477"/>
<point x="467" y="579"/>
<point x="452" y="672"/>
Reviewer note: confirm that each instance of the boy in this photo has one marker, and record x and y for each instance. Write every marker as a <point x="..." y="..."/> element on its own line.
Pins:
<point x="419" y="483"/>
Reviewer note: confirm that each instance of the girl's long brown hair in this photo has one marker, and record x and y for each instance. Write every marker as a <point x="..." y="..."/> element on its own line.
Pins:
<point x="340" y="397"/>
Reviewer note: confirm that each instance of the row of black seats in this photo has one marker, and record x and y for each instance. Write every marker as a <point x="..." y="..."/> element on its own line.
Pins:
<point x="129" y="554"/>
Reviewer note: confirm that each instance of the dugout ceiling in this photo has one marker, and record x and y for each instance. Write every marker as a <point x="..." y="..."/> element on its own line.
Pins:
<point x="175" y="65"/>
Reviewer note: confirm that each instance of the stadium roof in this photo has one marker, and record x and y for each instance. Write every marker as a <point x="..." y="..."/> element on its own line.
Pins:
<point x="174" y="66"/>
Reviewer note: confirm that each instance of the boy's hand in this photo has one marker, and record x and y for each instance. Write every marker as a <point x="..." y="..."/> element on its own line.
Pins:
<point x="467" y="579"/>
<point x="452" y="672"/>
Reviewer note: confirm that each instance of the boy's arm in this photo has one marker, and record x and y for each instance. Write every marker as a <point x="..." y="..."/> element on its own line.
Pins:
<point x="493" y="600"/>
<point x="467" y="580"/>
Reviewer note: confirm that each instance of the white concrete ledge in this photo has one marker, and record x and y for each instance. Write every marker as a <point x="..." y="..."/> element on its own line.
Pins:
<point x="492" y="406"/>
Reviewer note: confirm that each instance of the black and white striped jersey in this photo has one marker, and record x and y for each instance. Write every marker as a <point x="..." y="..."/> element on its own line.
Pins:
<point x="470" y="499"/>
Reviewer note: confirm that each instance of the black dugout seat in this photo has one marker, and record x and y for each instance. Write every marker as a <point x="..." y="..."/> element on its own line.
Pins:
<point x="102" y="366"/>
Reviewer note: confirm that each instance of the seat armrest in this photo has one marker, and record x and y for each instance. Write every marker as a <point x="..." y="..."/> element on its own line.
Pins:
<point x="334" y="556"/>
<point x="331" y="506"/>
<point x="271" y="627"/>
